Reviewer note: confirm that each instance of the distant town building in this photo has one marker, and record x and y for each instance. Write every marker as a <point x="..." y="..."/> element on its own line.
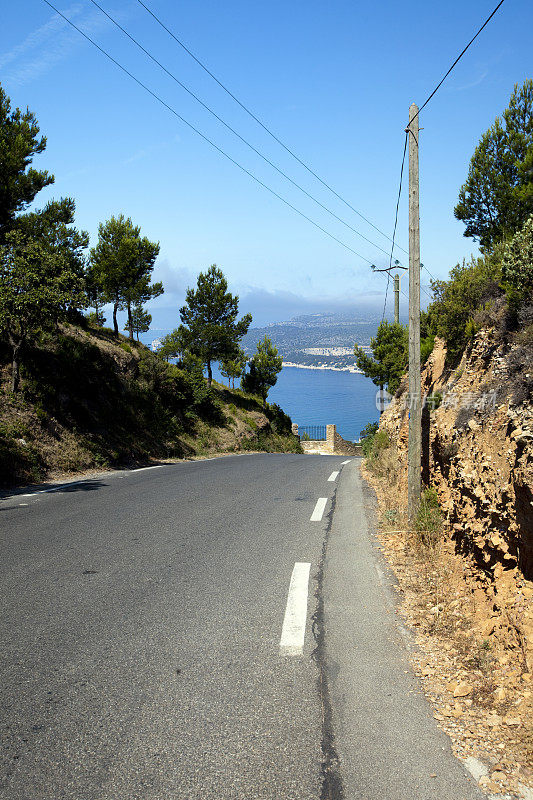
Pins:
<point x="156" y="344"/>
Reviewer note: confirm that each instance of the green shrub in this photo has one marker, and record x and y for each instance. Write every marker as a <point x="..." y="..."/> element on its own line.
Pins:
<point x="517" y="266"/>
<point x="280" y="421"/>
<point x="374" y="440"/>
<point x="429" y="519"/>
<point x="434" y="401"/>
<point x="426" y="347"/>
<point x="19" y="463"/>
<point x="459" y="298"/>
<point x="382" y="458"/>
<point x="380" y="441"/>
<point x="269" y="442"/>
<point x="367" y="437"/>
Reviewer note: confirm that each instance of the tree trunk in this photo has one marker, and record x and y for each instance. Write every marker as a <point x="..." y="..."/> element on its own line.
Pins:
<point x="15" y="375"/>
<point x="209" y="374"/>
<point x="115" y="323"/>
<point x="130" y="321"/>
<point x="15" y="368"/>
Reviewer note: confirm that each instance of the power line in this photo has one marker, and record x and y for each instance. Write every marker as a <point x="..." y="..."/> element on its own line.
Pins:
<point x="386" y="294"/>
<point x="398" y="201"/>
<point x="459" y="57"/>
<point x="233" y="131"/>
<point x="395" y="224"/>
<point x="426" y="292"/>
<point x="262" y="124"/>
<point x="428" y="272"/>
<point x="203" y="136"/>
<point x="424" y="104"/>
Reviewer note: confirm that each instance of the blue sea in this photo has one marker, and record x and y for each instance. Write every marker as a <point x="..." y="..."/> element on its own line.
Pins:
<point x="322" y="397"/>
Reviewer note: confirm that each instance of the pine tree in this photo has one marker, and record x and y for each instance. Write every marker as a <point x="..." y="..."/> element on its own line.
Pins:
<point x="19" y="143"/>
<point x="172" y="345"/>
<point x="517" y="264"/>
<point x="390" y="348"/>
<point x="209" y="320"/>
<point x="37" y="288"/>
<point x="263" y="370"/>
<point x="497" y="196"/>
<point x="140" y="321"/>
<point x="234" y="367"/>
<point x="42" y="263"/>
<point x="121" y="266"/>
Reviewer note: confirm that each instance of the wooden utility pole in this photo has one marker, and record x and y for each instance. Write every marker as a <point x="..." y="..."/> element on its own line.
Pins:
<point x="397" y="299"/>
<point x="415" y="415"/>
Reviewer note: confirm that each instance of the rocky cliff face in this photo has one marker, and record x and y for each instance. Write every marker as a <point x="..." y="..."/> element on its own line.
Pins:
<point x="478" y="454"/>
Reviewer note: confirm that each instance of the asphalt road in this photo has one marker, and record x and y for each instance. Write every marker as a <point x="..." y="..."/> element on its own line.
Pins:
<point x="141" y="617"/>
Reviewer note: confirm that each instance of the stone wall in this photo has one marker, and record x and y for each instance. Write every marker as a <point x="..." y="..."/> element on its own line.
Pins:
<point x="334" y="444"/>
<point x="343" y="447"/>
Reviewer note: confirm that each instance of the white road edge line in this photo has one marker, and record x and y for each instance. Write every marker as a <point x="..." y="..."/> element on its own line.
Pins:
<point x="77" y="483"/>
<point x="294" y="622"/>
<point x="333" y="476"/>
<point x="316" y="516"/>
<point x="54" y="488"/>
<point x="346" y="462"/>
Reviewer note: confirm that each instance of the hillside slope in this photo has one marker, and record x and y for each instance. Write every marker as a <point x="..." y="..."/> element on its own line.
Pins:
<point x="90" y="401"/>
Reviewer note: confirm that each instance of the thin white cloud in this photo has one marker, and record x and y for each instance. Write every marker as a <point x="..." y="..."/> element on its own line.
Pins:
<point x="471" y="84"/>
<point x="48" y="45"/>
<point x="146" y="151"/>
<point x="38" y="36"/>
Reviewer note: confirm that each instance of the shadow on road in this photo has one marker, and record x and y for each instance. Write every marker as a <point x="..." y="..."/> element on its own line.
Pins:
<point x="87" y="485"/>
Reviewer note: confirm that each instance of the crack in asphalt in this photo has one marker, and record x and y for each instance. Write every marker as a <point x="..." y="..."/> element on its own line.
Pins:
<point x="332" y="786"/>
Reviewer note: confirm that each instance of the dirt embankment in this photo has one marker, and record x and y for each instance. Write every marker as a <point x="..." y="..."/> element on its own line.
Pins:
<point x="468" y="588"/>
<point x="88" y="401"/>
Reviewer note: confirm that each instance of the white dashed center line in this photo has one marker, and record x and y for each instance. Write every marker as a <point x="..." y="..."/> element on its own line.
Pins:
<point x="316" y="516"/>
<point x="293" y="631"/>
<point x="346" y="462"/>
<point x="333" y="476"/>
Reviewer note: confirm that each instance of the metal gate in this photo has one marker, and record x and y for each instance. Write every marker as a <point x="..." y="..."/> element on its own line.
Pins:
<point x="313" y="433"/>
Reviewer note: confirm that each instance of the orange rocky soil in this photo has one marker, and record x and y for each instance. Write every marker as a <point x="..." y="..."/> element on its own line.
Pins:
<point x="468" y="593"/>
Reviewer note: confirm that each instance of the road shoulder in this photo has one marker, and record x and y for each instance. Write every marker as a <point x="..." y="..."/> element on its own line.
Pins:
<point x="386" y="739"/>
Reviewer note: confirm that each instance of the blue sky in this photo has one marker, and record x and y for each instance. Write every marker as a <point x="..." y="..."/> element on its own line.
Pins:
<point x="333" y="81"/>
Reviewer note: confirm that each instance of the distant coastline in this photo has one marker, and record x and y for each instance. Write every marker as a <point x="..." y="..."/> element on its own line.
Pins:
<point x="322" y="367"/>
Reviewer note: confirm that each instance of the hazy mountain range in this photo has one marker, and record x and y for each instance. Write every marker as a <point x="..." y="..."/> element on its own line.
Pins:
<point x="322" y="331"/>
